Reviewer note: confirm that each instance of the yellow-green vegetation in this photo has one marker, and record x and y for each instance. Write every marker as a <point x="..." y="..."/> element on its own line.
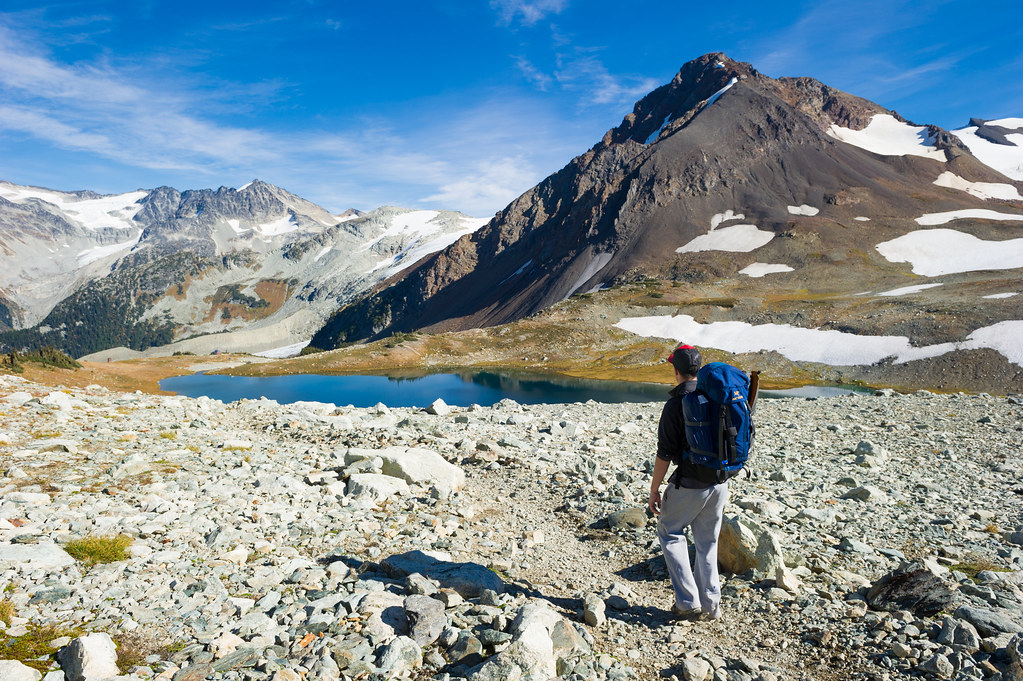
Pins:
<point x="6" y="611"/>
<point x="973" y="565"/>
<point x="94" y="550"/>
<point x="33" y="649"/>
<point x="14" y="362"/>
<point x="169" y="435"/>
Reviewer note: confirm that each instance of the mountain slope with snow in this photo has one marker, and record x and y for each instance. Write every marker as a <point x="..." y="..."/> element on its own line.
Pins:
<point x="87" y="272"/>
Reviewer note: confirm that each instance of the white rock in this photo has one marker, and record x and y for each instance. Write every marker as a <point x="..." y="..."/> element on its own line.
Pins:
<point x="89" y="658"/>
<point x="18" y="398"/>
<point x="415" y="466"/>
<point x="238" y="556"/>
<point x="438" y="408"/>
<point x="47" y="557"/>
<point x="28" y="498"/>
<point x="226" y="644"/>
<point x="12" y="670"/>
<point x="375" y="486"/>
<point x="236" y="444"/>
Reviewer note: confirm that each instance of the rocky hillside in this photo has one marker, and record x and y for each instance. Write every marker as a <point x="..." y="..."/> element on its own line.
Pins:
<point x="88" y="272"/>
<point x="799" y="203"/>
<point x="878" y="538"/>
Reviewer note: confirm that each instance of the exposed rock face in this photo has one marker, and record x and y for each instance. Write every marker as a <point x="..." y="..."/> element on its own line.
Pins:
<point x="720" y="144"/>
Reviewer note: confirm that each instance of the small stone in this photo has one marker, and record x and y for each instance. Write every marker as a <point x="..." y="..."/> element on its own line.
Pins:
<point x="937" y="664"/>
<point x="695" y="669"/>
<point x="438" y="408"/>
<point x="594" y="610"/>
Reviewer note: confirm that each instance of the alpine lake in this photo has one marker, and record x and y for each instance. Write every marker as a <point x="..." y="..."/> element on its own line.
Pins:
<point x="457" y="389"/>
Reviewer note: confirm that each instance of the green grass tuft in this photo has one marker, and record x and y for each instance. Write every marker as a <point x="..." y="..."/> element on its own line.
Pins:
<point x="33" y="649"/>
<point x="94" y="550"/>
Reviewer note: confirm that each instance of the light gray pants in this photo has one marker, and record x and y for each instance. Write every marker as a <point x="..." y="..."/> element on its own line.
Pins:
<point x="700" y="509"/>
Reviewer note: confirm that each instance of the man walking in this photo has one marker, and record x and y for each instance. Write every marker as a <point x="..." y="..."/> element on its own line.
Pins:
<point x="693" y="498"/>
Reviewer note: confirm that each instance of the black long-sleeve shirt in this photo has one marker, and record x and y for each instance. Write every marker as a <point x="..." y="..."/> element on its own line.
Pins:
<point x="672" y="444"/>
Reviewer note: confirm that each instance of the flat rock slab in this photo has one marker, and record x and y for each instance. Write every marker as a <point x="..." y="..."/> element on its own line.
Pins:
<point x="470" y="580"/>
<point x="36" y="556"/>
<point x="913" y="587"/>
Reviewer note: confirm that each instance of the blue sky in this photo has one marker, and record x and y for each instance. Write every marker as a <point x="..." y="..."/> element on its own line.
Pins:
<point x="458" y="104"/>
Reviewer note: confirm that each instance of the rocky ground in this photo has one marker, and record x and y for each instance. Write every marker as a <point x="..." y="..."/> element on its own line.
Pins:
<point x="879" y="537"/>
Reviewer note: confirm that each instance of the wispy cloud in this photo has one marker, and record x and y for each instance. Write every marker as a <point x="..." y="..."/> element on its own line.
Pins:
<point x="475" y="159"/>
<point x="538" y="78"/>
<point x="583" y="72"/>
<point x="527" y="11"/>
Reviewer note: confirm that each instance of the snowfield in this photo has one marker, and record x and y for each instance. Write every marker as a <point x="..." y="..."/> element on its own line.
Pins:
<point x="105" y="212"/>
<point x="804" y="209"/>
<point x="906" y="290"/>
<point x="982" y="190"/>
<point x="759" y="269"/>
<point x="976" y="213"/>
<point x="1006" y="159"/>
<point x="934" y="252"/>
<point x="887" y="136"/>
<point x="734" y="239"/>
<point x="835" y="348"/>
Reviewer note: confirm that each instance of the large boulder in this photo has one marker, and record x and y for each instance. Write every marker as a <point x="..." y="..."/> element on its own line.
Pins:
<point x="48" y="557"/>
<point x="530" y="656"/>
<point x="745" y="544"/>
<point x="470" y="580"/>
<point x="375" y="487"/>
<point x="917" y="586"/>
<point x="89" y="658"/>
<point x="415" y="466"/>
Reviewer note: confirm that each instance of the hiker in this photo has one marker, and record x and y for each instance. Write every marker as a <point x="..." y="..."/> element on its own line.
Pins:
<point x="693" y="498"/>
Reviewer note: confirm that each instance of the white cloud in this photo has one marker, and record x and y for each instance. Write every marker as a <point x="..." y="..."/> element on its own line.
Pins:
<point x="531" y="11"/>
<point x="584" y="72"/>
<point x="488" y="183"/>
<point x="475" y="159"/>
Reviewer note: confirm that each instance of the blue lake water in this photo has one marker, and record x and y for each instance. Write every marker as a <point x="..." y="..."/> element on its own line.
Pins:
<point x="461" y="389"/>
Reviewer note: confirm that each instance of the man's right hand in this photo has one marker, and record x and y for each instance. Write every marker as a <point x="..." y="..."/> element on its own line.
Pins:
<point x="655" y="501"/>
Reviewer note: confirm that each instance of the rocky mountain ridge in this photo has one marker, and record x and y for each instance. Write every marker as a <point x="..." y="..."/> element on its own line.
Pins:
<point x="761" y="188"/>
<point x="91" y="272"/>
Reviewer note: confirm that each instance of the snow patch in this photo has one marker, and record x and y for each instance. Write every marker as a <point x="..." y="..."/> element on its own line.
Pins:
<point x="283" y="351"/>
<point x="1005" y="158"/>
<point x="804" y="209"/>
<point x="1010" y="123"/>
<point x="595" y="265"/>
<point x="416" y="222"/>
<point x="517" y="272"/>
<point x="714" y="97"/>
<point x="657" y="133"/>
<point x="759" y="269"/>
<point x="326" y="249"/>
<point x="977" y="213"/>
<point x="982" y="190"/>
<point x="245" y="186"/>
<point x="280" y="226"/>
<point x="835" y="348"/>
<point x="860" y="218"/>
<point x="934" y="252"/>
<point x="105" y="212"/>
<point x="734" y="239"/>
<point x="906" y="290"/>
<point x="888" y="136"/>
<point x="418" y="250"/>
<point x="727" y="216"/>
<point x="236" y="225"/>
<point x="999" y="296"/>
<point x="98" y="253"/>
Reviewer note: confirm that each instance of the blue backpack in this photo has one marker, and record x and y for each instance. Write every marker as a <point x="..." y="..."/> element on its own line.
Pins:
<point x="719" y="418"/>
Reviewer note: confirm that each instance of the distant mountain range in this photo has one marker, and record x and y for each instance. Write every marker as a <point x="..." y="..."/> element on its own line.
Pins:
<point x="257" y="266"/>
<point x="797" y="203"/>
